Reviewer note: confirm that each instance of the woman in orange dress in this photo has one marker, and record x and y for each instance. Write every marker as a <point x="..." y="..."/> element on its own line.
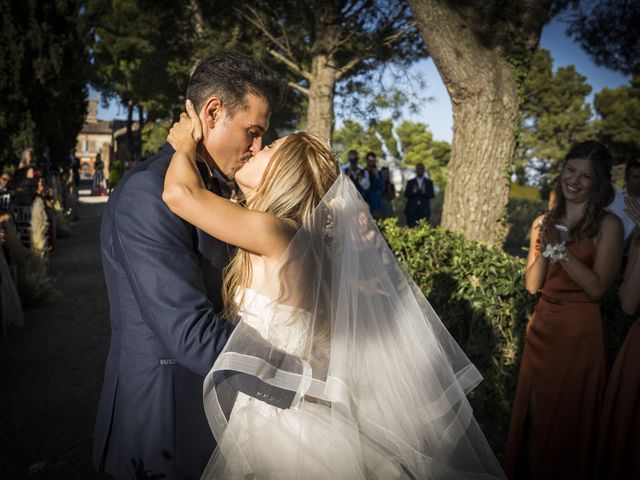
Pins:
<point x="619" y="440"/>
<point x="576" y="249"/>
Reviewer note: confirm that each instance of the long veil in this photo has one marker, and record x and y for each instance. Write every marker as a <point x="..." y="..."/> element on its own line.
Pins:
<point x="359" y="377"/>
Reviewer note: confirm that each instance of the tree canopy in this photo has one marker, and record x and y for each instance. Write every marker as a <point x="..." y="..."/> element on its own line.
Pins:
<point x="618" y="125"/>
<point x="556" y="114"/>
<point x="608" y="31"/>
<point x="43" y="76"/>
<point x="321" y="43"/>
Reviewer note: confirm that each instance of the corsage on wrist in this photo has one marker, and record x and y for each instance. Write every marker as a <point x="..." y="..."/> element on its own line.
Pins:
<point x="556" y="253"/>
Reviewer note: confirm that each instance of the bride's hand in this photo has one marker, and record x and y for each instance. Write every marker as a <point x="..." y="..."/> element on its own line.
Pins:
<point x="188" y="131"/>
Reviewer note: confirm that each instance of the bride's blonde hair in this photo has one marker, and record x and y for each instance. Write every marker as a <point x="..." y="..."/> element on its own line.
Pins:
<point x="296" y="179"/>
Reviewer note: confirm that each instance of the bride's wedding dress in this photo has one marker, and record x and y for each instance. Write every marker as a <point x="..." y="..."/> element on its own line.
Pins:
<point x="373" y="385"/>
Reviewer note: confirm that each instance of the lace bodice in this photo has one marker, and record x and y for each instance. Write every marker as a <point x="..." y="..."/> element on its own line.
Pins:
<point x="283" y="326"/>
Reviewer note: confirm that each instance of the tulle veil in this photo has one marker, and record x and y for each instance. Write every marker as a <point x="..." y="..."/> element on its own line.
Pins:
<point x="370" y="382"/>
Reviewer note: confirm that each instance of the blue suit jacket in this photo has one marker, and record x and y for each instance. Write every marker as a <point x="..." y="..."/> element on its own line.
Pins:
<point x="163" y="279"/>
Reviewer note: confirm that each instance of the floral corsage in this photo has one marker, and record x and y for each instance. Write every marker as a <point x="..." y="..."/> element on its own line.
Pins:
<point x="556" y="253"/>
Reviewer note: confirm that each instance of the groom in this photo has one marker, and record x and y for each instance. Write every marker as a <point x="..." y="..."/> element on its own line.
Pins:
<point x="164" y="281"/>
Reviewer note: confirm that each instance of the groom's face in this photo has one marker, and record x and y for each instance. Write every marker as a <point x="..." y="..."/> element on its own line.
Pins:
<point x="232" y="141"/>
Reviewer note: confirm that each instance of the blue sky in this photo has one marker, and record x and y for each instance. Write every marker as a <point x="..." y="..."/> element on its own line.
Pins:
<point x="437" y="111"/>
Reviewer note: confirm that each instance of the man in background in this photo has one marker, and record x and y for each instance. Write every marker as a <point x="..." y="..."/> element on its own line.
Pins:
<point x="418" y="193"/>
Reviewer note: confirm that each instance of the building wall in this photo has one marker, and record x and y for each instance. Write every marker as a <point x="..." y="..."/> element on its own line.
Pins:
<point x="88" y="146"/>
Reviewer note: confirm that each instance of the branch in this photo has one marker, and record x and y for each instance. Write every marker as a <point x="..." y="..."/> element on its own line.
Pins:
<point x="290" y="63"/>
<point x="346" y="68"/>
<point x="289" y="60"/>
<point x="394" y="37"/>
<point x="386" y="41"/>
<point x="301" y="89"/>
<point x="198" y="18"/>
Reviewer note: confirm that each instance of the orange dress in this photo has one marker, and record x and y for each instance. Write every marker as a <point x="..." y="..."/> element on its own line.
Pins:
<point x="562" y="380"/>
<point x="619" y="441"/>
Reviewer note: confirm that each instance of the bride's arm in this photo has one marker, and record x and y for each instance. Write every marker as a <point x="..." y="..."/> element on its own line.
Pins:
<point x="185" y="195"/>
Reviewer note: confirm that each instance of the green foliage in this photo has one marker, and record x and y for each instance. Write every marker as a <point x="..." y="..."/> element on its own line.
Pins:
<point x="353" y="136"/>
<point x="619" y="123"/>
<point x="43" y="76"/>
<point x="134" y="59"/>
<point x="418" y="146"/>
<point x="408" y="143"/>
<point x="144" y="51"/>
<point x="555" y="115"/>
<point x="154" y="135"/>
<point x="117" y="170"/>
<point x="478" y="292"/>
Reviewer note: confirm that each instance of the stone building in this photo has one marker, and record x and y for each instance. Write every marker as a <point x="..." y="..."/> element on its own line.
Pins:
<point x="108" y="137"/>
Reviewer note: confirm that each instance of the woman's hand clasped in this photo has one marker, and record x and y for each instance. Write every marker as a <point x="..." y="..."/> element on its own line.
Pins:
<point x="188" y="131"/>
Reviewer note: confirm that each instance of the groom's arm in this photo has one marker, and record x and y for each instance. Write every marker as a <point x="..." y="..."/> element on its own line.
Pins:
<point x="155" y="249"/>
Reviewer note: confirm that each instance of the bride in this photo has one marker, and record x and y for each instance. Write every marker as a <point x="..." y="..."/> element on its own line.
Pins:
<point x="376" y="384"/>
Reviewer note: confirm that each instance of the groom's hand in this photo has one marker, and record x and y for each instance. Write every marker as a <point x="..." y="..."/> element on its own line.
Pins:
<point x="186" y="132"/>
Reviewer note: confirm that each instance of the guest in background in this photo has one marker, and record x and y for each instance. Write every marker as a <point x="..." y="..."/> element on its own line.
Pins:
<point x="5" y="182"/>
<point x="26" y="171"/>
<point x="419" y="192"/>
<point x="355" y="173"/>
<point x="574" y="255"/>
<point x="7" y="192"/>
<point x="388" y="195"/>
<point x="376" y="183"/>
<point x="74" y="164"/>
<point x="98" y="176"/>
<point x="619" y="440"/>
<point x="631" y="190"/>
<point x="45" y="192"/>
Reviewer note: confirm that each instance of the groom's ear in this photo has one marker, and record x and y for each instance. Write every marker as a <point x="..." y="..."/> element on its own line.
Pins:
<point x="213" y="112"/>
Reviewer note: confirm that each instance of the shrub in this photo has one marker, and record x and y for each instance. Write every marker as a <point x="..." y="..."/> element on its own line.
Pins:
<point x="116" y="173"/>
<point x="478" y="292"/>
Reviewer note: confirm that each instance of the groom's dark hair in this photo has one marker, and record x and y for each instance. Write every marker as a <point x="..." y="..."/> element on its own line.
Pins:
<point x="230" y="76"/>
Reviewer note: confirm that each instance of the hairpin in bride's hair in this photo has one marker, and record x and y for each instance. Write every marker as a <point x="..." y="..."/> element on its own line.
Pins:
<point x="329" y="231"/>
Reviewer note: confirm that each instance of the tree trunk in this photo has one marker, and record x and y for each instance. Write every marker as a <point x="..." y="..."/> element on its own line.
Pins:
<point x="485" y="102"/>
<point x="484" y="142"/>
<point x="321" y="90"/>
<point x="140" y="117"/>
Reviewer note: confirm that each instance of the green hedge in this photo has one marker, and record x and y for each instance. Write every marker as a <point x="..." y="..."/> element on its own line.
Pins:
<point x="478" y="292"/>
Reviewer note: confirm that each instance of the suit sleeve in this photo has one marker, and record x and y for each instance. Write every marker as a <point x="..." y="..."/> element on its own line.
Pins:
<point x="156" y="251"/>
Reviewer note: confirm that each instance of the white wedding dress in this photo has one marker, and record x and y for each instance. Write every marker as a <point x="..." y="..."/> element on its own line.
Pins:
<point x="305" y="441"/>
<point x="375" y="386"/>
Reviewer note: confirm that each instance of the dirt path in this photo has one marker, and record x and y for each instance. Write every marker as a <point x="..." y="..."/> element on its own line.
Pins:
<point x="51" y="369"/>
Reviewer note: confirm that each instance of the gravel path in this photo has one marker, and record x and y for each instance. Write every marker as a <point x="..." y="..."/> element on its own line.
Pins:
<point x="51" y="369"/>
